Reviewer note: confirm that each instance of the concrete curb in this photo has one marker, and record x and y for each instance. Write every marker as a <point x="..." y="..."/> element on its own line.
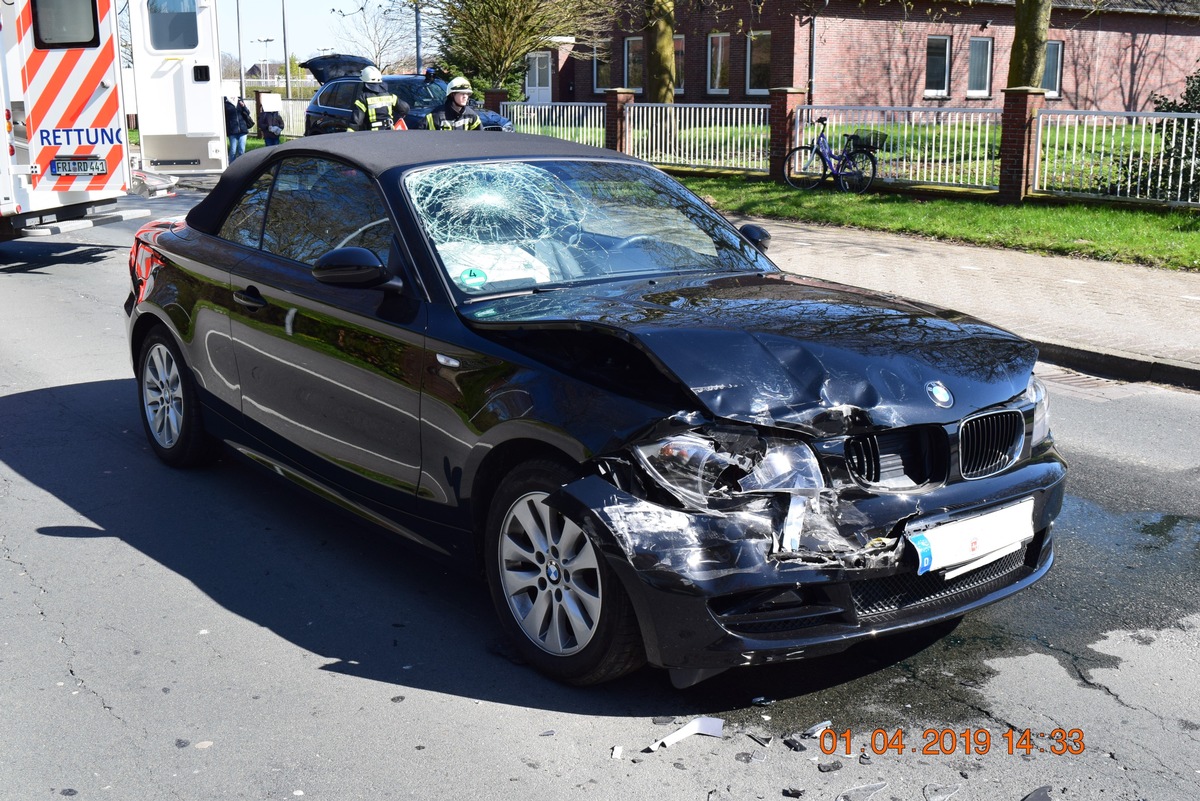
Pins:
<point x="1118" y="365"/>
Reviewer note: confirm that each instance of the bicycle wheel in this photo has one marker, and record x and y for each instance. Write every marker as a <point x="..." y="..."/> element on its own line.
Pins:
<point x="804" y="168"/>
<point x="857" y="171"/>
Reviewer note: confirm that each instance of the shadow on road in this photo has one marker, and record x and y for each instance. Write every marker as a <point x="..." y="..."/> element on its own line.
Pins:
<point x="370" y="604"/>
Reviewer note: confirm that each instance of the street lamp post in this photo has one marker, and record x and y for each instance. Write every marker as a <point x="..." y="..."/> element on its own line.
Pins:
<point x="287" y="58"/>
<point x="265" y="42"/>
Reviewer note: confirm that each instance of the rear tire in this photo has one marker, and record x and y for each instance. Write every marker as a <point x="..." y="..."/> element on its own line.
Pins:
<point x="804" y="168"/>
<point x="169" y="403"/>
<point x="557" y="599"/>
<point x="858" y="172"/>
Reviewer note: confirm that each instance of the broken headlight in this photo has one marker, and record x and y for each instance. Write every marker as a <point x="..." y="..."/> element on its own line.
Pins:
<point x="696" y="468"/>
<point x="1036" y="394"/>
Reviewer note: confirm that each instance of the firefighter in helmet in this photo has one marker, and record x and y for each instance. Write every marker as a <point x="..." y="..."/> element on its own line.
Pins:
<point x="376" y="108"/>
<point x="456" y="113"/>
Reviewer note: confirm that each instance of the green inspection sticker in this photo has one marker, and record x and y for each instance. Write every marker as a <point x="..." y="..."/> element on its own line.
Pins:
<point x="472" y="277"/>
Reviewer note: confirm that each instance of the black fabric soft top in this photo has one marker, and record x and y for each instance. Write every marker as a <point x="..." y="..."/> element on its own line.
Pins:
<point x="377" y="152"/>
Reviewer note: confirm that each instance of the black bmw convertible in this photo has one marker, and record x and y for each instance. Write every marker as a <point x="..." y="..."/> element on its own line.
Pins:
<point x="555" y="363"/>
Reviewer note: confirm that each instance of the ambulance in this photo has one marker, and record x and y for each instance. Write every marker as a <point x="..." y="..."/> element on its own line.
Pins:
<point x="64" y="148"/>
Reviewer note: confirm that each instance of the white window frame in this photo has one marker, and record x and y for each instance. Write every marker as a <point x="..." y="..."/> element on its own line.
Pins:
<point x="628" y="84"/>
<point x="750" y="37"/>
<point x="708" y="81"/>
<point x="986" y="91"/>
<point x="680" y="52"/>
<point x="596" y="62"/>
<point x="1057" y="90"/>
<point x="945" y="90"/>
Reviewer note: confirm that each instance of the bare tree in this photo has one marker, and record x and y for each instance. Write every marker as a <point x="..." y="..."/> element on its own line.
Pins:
<point x="381" y="32"/>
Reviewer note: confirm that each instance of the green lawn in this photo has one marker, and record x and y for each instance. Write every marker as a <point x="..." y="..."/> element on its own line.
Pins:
<point x="1149" y="236"/>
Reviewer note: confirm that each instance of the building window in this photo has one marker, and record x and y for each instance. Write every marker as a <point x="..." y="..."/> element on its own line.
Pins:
<point x="679" y="62"/>
<point x="1052" y="78"/>
<point x="979" y="68"/>
<point x="758" y="63"/>
<point x="718" y="64"/>
<point x="635" y="64"/>
<point x="600" y="69"/>
<point x="937" y="66"/>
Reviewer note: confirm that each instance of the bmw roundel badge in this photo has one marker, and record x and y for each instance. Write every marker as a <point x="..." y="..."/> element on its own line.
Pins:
<point x="939" y="394"/>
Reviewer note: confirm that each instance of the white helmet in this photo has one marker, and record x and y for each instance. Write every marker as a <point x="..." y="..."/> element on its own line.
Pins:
<point x="371" y="75"/>
<point x="459" y="84"/>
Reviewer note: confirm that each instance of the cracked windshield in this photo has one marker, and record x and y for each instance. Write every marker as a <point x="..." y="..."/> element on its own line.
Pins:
<point x="511" y="226"/>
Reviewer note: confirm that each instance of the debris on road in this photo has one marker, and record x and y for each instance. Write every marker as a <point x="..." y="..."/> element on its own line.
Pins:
<point x="829" y="767"/>
<point x="815" y="731"/>
<point x="861" y="793"/>
<point x="710" y="727"/>
<point x="940" y="792"/>
<point x="616" y="752"/>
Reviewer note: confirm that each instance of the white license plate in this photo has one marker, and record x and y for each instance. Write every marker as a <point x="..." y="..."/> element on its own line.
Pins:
<point x="79" y="167"/>
<point x="973" y="541"/>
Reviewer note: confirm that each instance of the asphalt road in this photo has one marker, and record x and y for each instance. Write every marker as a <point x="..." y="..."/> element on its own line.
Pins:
<point x="220" y="634"/>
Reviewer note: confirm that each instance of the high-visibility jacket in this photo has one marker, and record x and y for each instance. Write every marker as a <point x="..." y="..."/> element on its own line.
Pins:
<point x="374" y="108"/>
<point x="445" y="118"/>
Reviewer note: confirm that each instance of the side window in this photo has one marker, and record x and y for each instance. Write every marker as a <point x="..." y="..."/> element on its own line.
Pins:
<point x="339" y="95"/>
<point x="319" y="205"/>
<point x="245" y="223"/>
<point x="173" y="24"/>
<point x="64" y="23"/>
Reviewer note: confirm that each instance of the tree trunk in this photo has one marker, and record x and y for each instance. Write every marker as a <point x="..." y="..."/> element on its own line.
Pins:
<point x="1027" y="62"/>
<point x="660" y="51"/>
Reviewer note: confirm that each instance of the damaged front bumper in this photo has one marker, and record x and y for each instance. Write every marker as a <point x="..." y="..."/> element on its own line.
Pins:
<point x="713" y="591"/>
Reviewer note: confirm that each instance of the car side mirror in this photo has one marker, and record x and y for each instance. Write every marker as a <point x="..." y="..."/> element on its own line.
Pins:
<point x="350" y="267"/>
<point x="759" y="237"/>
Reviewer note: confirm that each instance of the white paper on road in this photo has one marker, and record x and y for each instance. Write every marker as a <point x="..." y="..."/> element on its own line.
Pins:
<point x="710" y="727"/>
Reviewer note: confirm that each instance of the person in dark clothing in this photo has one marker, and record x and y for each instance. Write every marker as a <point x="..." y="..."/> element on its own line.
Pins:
<point x="456" y="113"/>
<point x="238" y="123"/>
<point x="270" y="125"/>
<point x="376" y="108"/>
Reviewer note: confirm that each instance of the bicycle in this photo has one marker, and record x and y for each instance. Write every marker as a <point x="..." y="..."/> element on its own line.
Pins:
<point x="853" y="169"/>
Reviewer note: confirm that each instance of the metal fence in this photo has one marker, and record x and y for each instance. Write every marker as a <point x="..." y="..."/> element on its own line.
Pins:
<point x="577" y="122"/>
<point x="940" y="146"/>
<point x="696" y="135"/>
<point x="293" y="117"/>
<point x="1152" y="156"/>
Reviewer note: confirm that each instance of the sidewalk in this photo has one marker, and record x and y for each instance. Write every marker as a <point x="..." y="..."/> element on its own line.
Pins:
<point x="1120" y="321"/>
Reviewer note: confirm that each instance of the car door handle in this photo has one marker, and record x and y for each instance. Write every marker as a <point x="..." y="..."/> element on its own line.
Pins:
<point x="250" y="299"/>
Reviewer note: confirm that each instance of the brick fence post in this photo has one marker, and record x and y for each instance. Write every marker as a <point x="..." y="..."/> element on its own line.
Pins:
<point x="1018" y="141"/>
<point x="492" y="98"/>
<point x="782" y="120"/>
<point x="615" y="101"/>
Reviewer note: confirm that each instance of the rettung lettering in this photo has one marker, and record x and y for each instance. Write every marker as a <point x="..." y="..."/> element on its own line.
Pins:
<point x="64" y="137"/>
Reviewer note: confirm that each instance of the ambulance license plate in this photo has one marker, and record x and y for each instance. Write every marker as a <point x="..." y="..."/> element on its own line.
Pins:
<point x="78" y="167"/>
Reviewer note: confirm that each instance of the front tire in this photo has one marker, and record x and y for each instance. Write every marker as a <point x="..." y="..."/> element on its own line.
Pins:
<point x="169" y="403"/>
<point x="858" y="172"/>
<point x="804" y="168"/>
<point x="557" y="599"/>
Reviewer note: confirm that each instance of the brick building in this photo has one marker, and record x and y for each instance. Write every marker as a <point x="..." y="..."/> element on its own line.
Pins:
<point x="1108" y="55"/>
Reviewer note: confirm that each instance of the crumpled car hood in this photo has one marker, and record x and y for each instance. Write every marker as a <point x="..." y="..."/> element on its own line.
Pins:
<point x="780" y="349"/>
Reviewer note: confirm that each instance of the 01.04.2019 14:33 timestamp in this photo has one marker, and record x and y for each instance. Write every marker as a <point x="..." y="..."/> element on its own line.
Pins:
<point x="967" y="741"/>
